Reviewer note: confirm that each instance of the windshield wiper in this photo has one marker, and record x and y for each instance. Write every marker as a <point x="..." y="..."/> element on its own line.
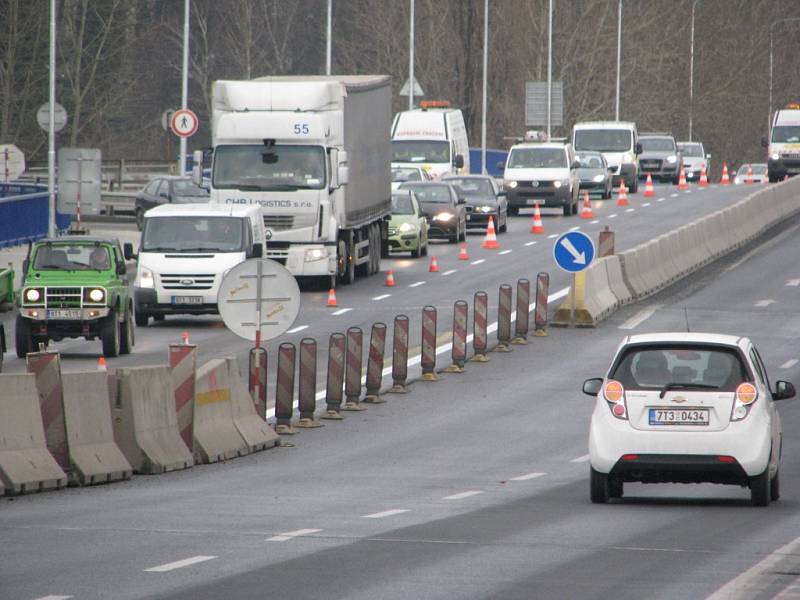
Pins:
<point x="686" y="386"/>
<point x="160" y="249"/>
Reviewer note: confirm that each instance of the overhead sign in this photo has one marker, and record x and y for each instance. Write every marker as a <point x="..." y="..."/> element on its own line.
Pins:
<point x="404" y="91"/>
<point x="12" y="162"/>
<point x="184" y="123"/>
<point x="573" y="251"/>
<point x="536" y="104"/>
<point x="79" y="181"/>
<point x="258" y="299"/>
<point x="43" y="116"/>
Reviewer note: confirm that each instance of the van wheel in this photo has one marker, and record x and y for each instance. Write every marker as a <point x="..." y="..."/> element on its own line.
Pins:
<point x="598" y="487"/>
<point x="110" y="335"/>
<point x="567" y="210"/>
<point x="22" y="337"/>
<point x="760" y="489"/>
<point x="127" y="335"/>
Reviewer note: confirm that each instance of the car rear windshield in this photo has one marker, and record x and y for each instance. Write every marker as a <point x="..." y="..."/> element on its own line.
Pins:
<point x="680" y="366"/>
<point x="537" y="158"/>
<point x="430" y="193"/>
<point x="658" y="144"/>
<point x="188" y="188"/>
<point x="590" y="161"/>
<point x="401" y="204"/>
<point x="472" y="187"/>
<point x="406" y="174"/>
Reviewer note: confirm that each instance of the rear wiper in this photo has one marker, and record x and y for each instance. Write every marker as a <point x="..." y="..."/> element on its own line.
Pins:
<point x="686" y="386"/>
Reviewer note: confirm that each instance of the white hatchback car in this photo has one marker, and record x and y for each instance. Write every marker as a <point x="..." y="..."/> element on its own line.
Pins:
<point x="686" y="408"/>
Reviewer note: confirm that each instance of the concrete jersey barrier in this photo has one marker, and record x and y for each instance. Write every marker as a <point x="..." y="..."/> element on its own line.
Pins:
<point x="256" y="432"/>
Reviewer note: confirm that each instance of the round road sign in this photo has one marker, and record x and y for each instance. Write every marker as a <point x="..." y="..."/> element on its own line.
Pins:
<point x="184" y="123"/>
<point x="43" y="116"/>
<point x="573" y="251"/>
<point x="240" y="297"/>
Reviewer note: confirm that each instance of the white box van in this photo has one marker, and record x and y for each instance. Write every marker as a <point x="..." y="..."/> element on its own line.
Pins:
<point x="619" y="143"/>
<point x="186" y="250"/>
<point x="783" y="145"/>
<point x="433" y="136"/>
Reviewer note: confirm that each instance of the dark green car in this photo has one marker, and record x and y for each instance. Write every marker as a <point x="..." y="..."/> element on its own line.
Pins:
<point x="75" y="287"/>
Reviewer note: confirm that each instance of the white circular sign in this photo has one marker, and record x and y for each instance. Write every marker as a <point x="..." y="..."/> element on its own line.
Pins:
<point x="12" y="162"/>
<point x="239" y="292"/>
<point x="43" y="116"/>
<point x="184" y="123"/>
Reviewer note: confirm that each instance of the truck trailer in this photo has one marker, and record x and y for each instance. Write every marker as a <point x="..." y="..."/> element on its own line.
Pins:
<point x="314" y="153"/>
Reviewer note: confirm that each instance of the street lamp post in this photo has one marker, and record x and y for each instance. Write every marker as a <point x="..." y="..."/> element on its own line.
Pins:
<point x="185" y="82"/>
<point x="771" y="29"/>
<point x="619" y="56"/>
<point x="51" y="129"/>
<point x="691" y="72"/>
<point x="485" y="77"/>
<point x="411" y="59"/>
<point x="549" y="66"/>
<point x="328" y="44"/>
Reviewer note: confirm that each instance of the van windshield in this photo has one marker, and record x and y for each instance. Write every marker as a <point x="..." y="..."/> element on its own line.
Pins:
<point x="786" y="134"/>
<point x="603" y="140"/>
<point x="193" y="234"/>
<point x="420" y="151"/>
<point x="537" y="158"/>
<point x="277" y="168"/>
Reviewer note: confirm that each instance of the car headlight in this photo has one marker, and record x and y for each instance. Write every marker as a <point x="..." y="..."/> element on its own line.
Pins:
<point x="33" y="295"/>
<point x="95" y="295"/>
<point x="560" y="182"/>
<point x="443" y="216"/>
<point x="146" y="279"/>
<point x="672" y="159"/>
<point x="511" y="184"/>
<point x="485" y="209"/>
<point x="598" y="178"/>
<point x="627" y="157"/>
<point x="775" y="156"/>
<point x="407" y="227"/>
<point x="315" y="254"/>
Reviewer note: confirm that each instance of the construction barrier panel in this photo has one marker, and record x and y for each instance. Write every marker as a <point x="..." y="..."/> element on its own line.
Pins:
<point x="94" y="455"/>
<point x="504" y="319"/>
<point x="258" y="380"/>
<point x="145" y="420"/>
<point x="257" y="434"/>
<point x="307" y="387"/>
<point x="284" y="388"/>
<point x="354" y="356"/>
<point x="25" y="463"/>
<point x="480" y="338"/>
<point x="335" y="380"/>
<point x="522" y="321"/>
<point x="459" y="344"/>
<point x="377" y="347"/>
<point x="400" y="355"/>
<point x="183" y="363"/>
<point x="428" y="354"/>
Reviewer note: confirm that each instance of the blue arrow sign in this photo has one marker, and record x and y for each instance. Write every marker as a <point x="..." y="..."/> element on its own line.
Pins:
<point x="573" y="251"/>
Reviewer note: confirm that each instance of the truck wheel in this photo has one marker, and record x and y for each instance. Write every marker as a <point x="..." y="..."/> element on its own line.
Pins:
<point x="347" y="272"/>
<point x="127" y="336"/>
<point x="141" y="318"/>
<point x="22" y="337"/>
<point x="110" y="335"/>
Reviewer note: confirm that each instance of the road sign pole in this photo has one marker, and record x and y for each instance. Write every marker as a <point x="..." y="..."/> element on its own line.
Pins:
<point x="51" y="134"/>
<point x="259" y="276"/>
<point x="185" y="84"/>
<point x="573" y="295"/>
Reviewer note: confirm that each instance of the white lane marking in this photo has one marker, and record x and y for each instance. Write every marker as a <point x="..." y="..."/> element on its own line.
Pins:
<point x="630" y="210"/>
<point x="646" y="204"/>
<point x="417" y="284"/>
<point x="793" y="283"/>
<point x="528" y="476"/>
<point x="450" y="272"/>
<point x="789" y="364"/>
<point x="296" y="329"/>
<point x="575" y="228"/>
<point x="595" y="222"/>
<point x="687" y="191"/>
<point x="639" y="318"/>
<point x="660" y="200"/>
<point x="285" y="537"/>
<point x="764" y="303"/>
<point x="581" y="459"/>
<point x="52" y="597"/>
<point x="463" y="495"/>
<point x="341" y="311"/>
<point x="673" y="195"/>
<point x="179" y="564"/>
<point x="382" y="297"/>
<point x="506" y="252"/>
<point x="479" y="261"/>
<point x="614" y="216"/>
<point x="550" y="237"/>
<point x="530" y="243"/>
<point x="385" y="513"/>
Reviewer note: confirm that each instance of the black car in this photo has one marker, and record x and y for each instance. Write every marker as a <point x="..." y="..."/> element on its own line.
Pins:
<point x="594" y="173"/>
<point x="483" y="199"/>
<point x="162" y="190"/>
<point x="445" y="211"/>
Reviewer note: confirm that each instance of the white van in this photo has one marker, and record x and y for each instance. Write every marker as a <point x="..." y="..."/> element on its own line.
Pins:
<point x="783" y="145"/>
<point x="432" y="136"/>
<point x="618" y="141"/>
<point x="186" y="250"/>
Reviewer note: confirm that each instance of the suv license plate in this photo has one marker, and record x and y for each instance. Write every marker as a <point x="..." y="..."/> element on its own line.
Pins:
<point x="679" y="416"/>
<point x="60" y="313"/>
<point x="187" y="299"/>
<point x="531" y="201"/>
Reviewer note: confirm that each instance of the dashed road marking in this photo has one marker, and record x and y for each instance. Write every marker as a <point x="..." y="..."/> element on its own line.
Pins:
<point x="341" y="311"/>
<point x="673" y="195"/>
<point x="382" y="297"/>
<point x="595" y="222"/>
<point x="530" y="243"/>
<point x="793" y="283"/>
<point x="528" y="476"/>
<point x="179" y="564"/>
<point x="646" y="204"/>
<point x="550" y="237"/>
<point x="296" y="329"/>
<point x="479" y="261"/>
<point x="285" y="537"/>
<point x="630" y="210"/>
<point x="417" y="284"/>
<point x="789" y="364"/>
<point x="450" y="272"/>
<point x="576" y="228"/>
<point x="639" y="318"/>
<point x="581" y="459"/>
<point x="506" y="252"/>
<point x="614" y="216"/>
<point x="764" y="303"/>
<point x="463" y="495"/>
<point x="660" y="200"/>
<point x="385" y="513"/>
<point x="53" y="597"/>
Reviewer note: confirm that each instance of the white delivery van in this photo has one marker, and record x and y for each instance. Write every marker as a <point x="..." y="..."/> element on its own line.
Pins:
<point x="618" y="141"/>
<point x="783" y="145"/>
<point x="432" y="136"/>
<point x="186" y="250"/>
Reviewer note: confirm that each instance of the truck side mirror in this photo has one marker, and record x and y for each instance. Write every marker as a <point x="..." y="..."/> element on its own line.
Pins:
<point x="127" y="251"/>
<point x="197" y="167"/>
<point x="638" y="148"/>
<point x="343" y="174"/>
<point x="458" y="163"/>
<point x="764" y="142"/>
<point x="257" y="251"/>
<point x="501" y="167"/>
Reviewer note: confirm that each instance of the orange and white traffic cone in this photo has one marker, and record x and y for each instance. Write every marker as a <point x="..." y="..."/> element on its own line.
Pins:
<point x="390" y="279"/>
<point x="537" y="226"/>
<point x="586" y="209"/>
<point x="434" y="268"/>
<point x="649" y="190"/>
<point x="785" y="177"/>
<point x="462" y="253"/>
<point x="749" y="178"/>
<point x="622" y="198"/>
<point x="682" y="185"/>
<point x="726" y="180"/>
<point x="332" y="298"/>
<point x="491" y="237"/>
<point x="185" y="338"/>
<point x="101" y="364"/>
<point x="703" y="177"/>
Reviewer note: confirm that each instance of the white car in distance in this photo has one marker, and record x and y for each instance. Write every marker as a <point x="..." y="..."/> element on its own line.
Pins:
<point x="686" y="408"/>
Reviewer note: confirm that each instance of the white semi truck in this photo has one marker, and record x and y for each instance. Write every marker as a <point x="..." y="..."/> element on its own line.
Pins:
<point x="314" y="153"/>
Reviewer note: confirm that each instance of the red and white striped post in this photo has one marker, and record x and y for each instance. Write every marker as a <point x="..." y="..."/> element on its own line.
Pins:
<point x="523" y="312"/>
<point x="335" y="379"/>
<point x="480" y="341"/>
<point x="540" y="311"/>
<point x="284" y="389"/>
<point x="183" y="365"/>
<point x="352" y="370"/>
<point x="504" y="319"/>
<point x="459" y="352"/>
<point x="428" y="357"/>
<point x="258" y="380"/>
<point x="377" y="346"/>
<point x="307" y="388"/>
<point x="400" y="355"/>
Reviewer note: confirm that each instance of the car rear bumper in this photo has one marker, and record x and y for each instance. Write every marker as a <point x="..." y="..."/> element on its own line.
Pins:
<point x="679" y="468"/>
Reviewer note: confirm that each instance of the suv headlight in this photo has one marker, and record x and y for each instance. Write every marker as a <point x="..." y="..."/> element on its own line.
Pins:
<point x="407" y="227"/>
<point x="485" y="209"/>
<point x="627" y="157"/>
<point x="34" y="295"/>
<point x="146" y="279"/>
<point x="511" y="184"/>
<point x="775" y="156"/>
<point x="672" y="159"/>
<point x="443" y="216"/>
<point x="315" y="254"/>
<point x="560" y="182"/>
<point x="94" y="295"/>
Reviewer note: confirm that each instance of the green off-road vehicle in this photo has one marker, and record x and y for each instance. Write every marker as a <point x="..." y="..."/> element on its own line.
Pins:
<point x="75" y="287"/>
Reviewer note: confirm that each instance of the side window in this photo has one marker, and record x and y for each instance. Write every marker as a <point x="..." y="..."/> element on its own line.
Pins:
<point x="760" y="364"/>
<point x="152" y="187"/>
<point x="758" y="368"/>
<point x="163" y="189"/>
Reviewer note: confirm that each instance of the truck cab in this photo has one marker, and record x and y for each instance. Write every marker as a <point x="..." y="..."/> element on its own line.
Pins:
<point x="184" y="253"/>
<point x="783" y="144"/>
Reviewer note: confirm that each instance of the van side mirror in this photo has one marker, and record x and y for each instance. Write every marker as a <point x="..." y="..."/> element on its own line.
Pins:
<point x="127" y="251"/>
<point x="592" y="387"/>
<point x="708" y="156"/>
<point x="458" y="163"/>
<point x="783" y="390"/>
<point x="501" y="167"/>
<point x="197" y="167"/>
<point x="764" y="142"/>
<point x="638" y="149"/>
<point x="576" y="164"/>
<point x="257" y="251"/>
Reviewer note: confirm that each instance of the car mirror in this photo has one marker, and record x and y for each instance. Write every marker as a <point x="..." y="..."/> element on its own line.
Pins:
<point x="639" y="148"/>
<point x="764" y="142"/>
<point x="783" y="390"/>
<point x="610" y="169"/>
<point x="462" y="201"/>
<point x="257" y="251"/>
<point x="576" y="164"/>
<point x="458" y="163"/>
<point x="593" y="386"/>
<point x="127" y="251"/>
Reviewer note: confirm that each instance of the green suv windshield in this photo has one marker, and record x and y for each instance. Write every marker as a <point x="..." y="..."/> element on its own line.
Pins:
<point x="72" y="257"/>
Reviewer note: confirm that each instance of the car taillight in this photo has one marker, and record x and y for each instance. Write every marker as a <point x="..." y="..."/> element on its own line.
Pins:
<point x="614" y="393"/>
<point x="746" y="394"/>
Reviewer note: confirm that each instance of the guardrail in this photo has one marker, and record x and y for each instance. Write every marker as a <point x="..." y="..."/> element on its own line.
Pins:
<point x="117" y="175"/>
<point x="24" y="211"/>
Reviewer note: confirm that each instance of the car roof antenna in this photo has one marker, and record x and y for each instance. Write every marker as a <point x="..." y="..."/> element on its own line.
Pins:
<point x="686" y="316"/>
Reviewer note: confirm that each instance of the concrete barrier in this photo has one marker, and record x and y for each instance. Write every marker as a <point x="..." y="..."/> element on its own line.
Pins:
<point x="25" y="463"/>
<point x="94" y="455"/>
<point x="215" y="434"/>
<point x="593" y="297"/>
<point x="256" y="432"/>
<point x="145" y="421"/>
<point x="616" y="281"/>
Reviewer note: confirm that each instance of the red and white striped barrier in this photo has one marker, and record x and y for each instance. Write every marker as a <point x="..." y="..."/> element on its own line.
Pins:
<point x="523" y="312"/>
<point x="333" y="389"/>
<point x="504" y="319"/>
<point x="480" y="339"/>
<point x="540" y="311"/>
<point x="257" y="368"/>
<point x="377" y="347"/>
<point x="183" y="362"/>
<point x="400" y="355"/>
<point x="307" y="386"/>
<point x="284" y="389"/>
<point x="459" y="351"/>
<point x="428" y="356"/>
<point x="352" y="370"/>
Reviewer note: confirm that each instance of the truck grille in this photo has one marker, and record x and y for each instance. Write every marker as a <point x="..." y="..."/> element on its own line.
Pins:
<point x="63" y="297"/>
<point x="283" y="222"/>
<point x="187" y="282"/>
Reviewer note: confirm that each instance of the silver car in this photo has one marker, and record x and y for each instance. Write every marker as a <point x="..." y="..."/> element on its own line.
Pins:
<point x="660" y="157"/>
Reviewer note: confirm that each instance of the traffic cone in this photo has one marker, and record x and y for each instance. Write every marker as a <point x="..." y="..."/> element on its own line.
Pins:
<point x="101" y="364"/>
<point x="434" y="268"/>
<point x="682" y="185"/>
<point x="749" y="178"/>
<point x="490" y="242"/>
<point x="726" y="180"/>
<point x="537" y="226"/>
<point x="462" y="254"/>
<point x="586" y="209"/>
<point x="785" y="177"/>
<point x="622" y="198"/>
<point x="185" y="337"/>
<point x="703" y="177"/>
<point x="390" y="279"/>
<point x="649" y="190"/>
<point x="332" y="298"/>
